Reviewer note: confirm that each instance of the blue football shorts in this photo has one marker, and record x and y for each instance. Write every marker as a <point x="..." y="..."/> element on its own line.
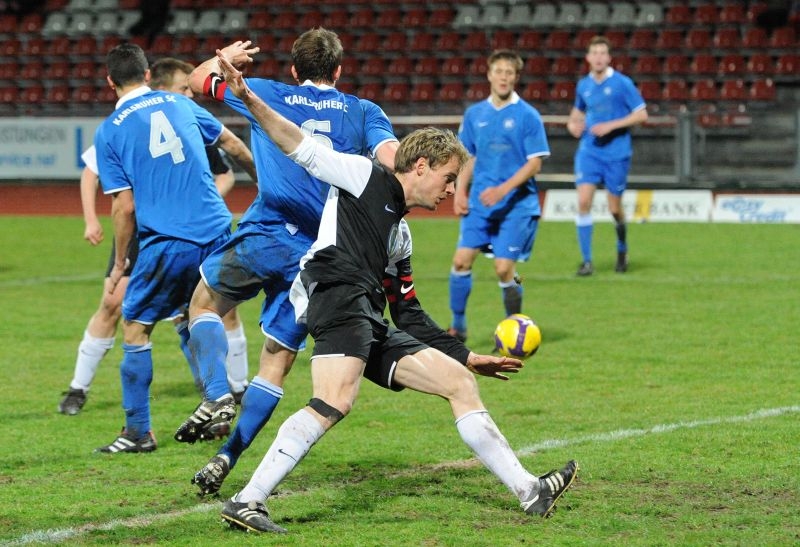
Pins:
<point x="164" y="278"/>
<point x="265" y="258"/>
<point x="611" y="174"/>
<point x="509" y="237"/>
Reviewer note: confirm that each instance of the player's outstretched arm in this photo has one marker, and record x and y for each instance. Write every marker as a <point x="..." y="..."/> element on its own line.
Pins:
<point x="237" y="149"/>
<point x="239" y="54"/>
<point x="493" y="366"/>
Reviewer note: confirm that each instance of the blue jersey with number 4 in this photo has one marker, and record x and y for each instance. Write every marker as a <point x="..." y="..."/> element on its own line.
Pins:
<point x="287" y="194"/>
<point x="154" y="145"/>
<point x="614" y="97"/>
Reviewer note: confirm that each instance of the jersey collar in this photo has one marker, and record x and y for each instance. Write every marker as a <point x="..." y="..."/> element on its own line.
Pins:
<point x="514" y="99"/>
<point x="608" y="73"/>
<point x="132" y="94"/>
<point x="321" y="86"/>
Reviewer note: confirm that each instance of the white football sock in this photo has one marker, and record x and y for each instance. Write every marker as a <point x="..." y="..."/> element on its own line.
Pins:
<point x="236" y="361"/>
<point x="479" y="431"/>
<point x="90" y="352"/>
<point x="295" y="438"/>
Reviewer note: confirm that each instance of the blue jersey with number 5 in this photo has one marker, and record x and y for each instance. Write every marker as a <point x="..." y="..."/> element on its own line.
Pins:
<point x="287" y="194"/>
<point x="154" y="145"/>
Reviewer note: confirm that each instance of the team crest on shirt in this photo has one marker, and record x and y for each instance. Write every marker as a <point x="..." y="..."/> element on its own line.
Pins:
<point x="508" y="124"/>
<point x="606" y="91"/>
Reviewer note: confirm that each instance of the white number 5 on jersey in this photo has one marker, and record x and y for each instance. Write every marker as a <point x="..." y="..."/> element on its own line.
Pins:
<point x="163" y="139"/>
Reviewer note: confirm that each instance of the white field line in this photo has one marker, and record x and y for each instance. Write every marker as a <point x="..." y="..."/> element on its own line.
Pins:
<point x="65" y="534"/>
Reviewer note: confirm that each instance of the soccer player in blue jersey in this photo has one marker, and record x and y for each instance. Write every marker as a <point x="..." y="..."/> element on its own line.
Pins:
<point x="496" y="194"/>
<point x="151" y="159"/>
<point x="607" y="105"/>
<point x="272" y="236"/>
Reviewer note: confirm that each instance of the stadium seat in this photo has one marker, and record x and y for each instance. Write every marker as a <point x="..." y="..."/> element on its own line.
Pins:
<point x="422" y="91"/>
<point x="642" y="40"/>
<point x="647" y="65"/>
<point x="86" y="71"/>
<point x="9" y="69"/>
<point x="727" y="38"/>
<point x="570" y="15"/>
<point x="676" y="65"/>
<point x="704" y="90"/>
<point x="414" y="18"/>
<point x="650" y="14"/>
<point x="563" y="91"/>
<point x="543" y="16"/>
<point x="162" y="45"/>
<point x="596" y="15"/>
<point x="754" y="38"/>
<point x="705" y="14"/>
<point x="79" y="5"/>
<point x="669" y="39"/>
<point x="760" y="64"/>
<point x="536" y="91"/>
<point x="60" y="46"/>
<point x="518" y="15"/>
<point x="55" y="24"/>
<point x="31" y="23"/>
<point x="478" y="68"/>
<point x="476" y="41"/>
<point x="529" y="40"/>
<point x="311" y="19"/>
<point x="373" y="66"/>
<point x="395" y="42"/>
<point x="698" y="38"/>
<point x="372" y="91"/>
<point x="754" y="9"/>
<point x="623" y="15"/>
<point x="537" y="65"/>
<point x="31" y="95"/>
<point x="564" y="66"/>
<point x="269" y="67"/>
<point x="426" y="66"/>
<point x="618" y="39"/>
<point x="733" y="12"/>
<point x="441" y="17"/>
<point x="675" y="90"/>
<point x="703" y="64"/>
<point x="451" y="91"/>
<point x="400" y="67"/>
<point x="58" y="70"/>
<point x="679" y="15"/>
<point x="10" y="47"/>
<point x="83" y="93"/>
<point x="336" y="19"/>
<point x="732" y="64"/>
<point x="208" y="21"/>
<point x="346" y="87"/>
<point x="422" y="43"/>
<point x="788" y="65"/>
<point x="503" y="39"/>
<point x="582" y="39"/>
<point x="783" y="38"/>
<point x="492" y="15"/>
<point x="448" y="41"/>
<point x="181" y="22"/>
<point x="368" y="42"/>
<point x="622" y="63"/>
<point x="558" y="40"/>
<point x="9" y="95"/>
<point x="650" y="90"/>
<point x="467" y="16"/>
<point x="85" y="46"/>
<point x="733" y="90"/>
<point x="387" y="18"/>
<point x="186" y="45"/>
<point x="107" y="22"/>
<point x="8" y="24"/>
<point x="57" y="94"/>
<point x="453" y="66"/>
<point x="234" y="21"/>
<point x="396" y="92"/>
<point x="477" y="91"/>
<point x="363" y="18"/>
<point x="762" y="90"/>
<point x="31" y="71"/>
<point x="211" y="43"/>
<point x="34" y="47"/>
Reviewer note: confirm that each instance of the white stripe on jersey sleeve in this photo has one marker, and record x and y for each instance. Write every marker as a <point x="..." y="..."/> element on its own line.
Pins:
<point x="346" y="171"/>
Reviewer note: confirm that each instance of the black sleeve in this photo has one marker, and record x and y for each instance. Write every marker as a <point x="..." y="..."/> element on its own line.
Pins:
<point x="217" y="162"/>
<point x="408" y="315"/>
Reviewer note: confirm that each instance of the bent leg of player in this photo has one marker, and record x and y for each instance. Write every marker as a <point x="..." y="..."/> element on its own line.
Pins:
<point x="236" y="360"/>
<point x="431" y="371"/>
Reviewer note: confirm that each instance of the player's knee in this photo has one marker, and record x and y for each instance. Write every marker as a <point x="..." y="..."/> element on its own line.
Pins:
<point x="462" y="385"/>
<point x="275" y="363"/>
<point x="329" y="412"/>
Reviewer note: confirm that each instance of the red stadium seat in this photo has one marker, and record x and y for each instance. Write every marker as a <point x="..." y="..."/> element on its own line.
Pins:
<point x="401" y="67"/>
<point x="422" y="42"/>
<point x="529" y="40"/>
<point x="669" y="39"/>
<point x="650" y="90"/>
<point x="187" y="45"/>
<point x="452" y="91"/>
<point x="9" y="95"/>
<point x="754" y="9"/>
<point x="563" y="91"/>
<point x="8" y="24"/>
<point x="346" y="87"/>
<point x="622" y="63"/>
<point x="732" y="12"/>
<point x="162" y="45"/>
<point x="373" y="66"/>
<point x="558" y="40"/>
<point x="395" y="42"/>
<point x="763" y="90"/>
<point x="536" y="91"/>
<point x="582" y="39"/>
<point x="396" y="92"/>
<point x="363" y="18"/>
<point x="336" y="20"/>
<point x="477" y="91"/>
<point x="83" y="94"/>
<point x="476" y="41"/>
<point x="9" y="70"/>
<point x="536" y="65"/>
<point x="676" y="65"/>
<point x="423" y="91"/>
<point x="368" y="42"/>
<point x="787" y="64"/>
<point x="703" y="64"/>
<point x="448" y="41"/>
<point x="32" y="71"/>
<point x="704" y="90"/>
<point x="733" y="90"/>
<point x="761" y="64"/>
<point x="415" y="17"/>
<point x="372" y="91"/>
<point x="503" y="39"/>
<point x="754" y="38"/>
<point x="675" y="90"/>
<point x="34" y="47"/>
<point x="427" y="66"/>
<point x="698" y="38"/>
<point x="86" y="71"/>
<point x="283" y="20"/>
<point x="85" y="46"/>
<point x="478" y="68"/>
<point x="647" y="65"/>
<point x="678" y="15"/>
<point x="783" y="38"/>
<point x="32" y="95"/>
<point x="642" y="40"/>
<point x="441" y="17"/>
<point x="58" y="70"/>
<point x="58" y="94"/>
<point x="388" y="18"/>
<point x="564" y="66"/>
<point x="732" y="64"/>
<point x="617" y="38"/>
<point x="311" y="19"/>
<point x="705" y="14"/>
<point x="10" y="47"/>
<point x="31" y="23"/>
<point x="454" y="66"/>
<point x="727" y="38"/>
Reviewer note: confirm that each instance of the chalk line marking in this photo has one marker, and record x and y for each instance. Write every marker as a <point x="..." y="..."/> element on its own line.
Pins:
<point x="64" y="534"/>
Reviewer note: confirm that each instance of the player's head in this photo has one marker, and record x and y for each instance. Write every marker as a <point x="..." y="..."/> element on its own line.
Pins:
<point x="598" y="54"/>
<point x="429" y="160"/>
<point x="505" y="67"/>
<point x="127" y="65"/>
<point x="317" y="56"/>
<point x="170" y="74"/>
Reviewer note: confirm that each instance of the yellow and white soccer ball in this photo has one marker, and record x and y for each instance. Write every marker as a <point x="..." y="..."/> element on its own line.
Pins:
<point x="517" y="336"/>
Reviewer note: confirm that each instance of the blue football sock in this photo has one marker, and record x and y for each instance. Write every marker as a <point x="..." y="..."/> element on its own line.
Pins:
<point x="585" y="228"/>
<point x="209" y="345"/>
<point x="460" y="287"/>
<point x="136" y="373"/>
<point x="182" y="329"/>
<point x="258" y="403"/>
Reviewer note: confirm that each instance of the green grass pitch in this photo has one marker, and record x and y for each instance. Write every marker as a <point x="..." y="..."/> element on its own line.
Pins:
<point x="676" y="386"/>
